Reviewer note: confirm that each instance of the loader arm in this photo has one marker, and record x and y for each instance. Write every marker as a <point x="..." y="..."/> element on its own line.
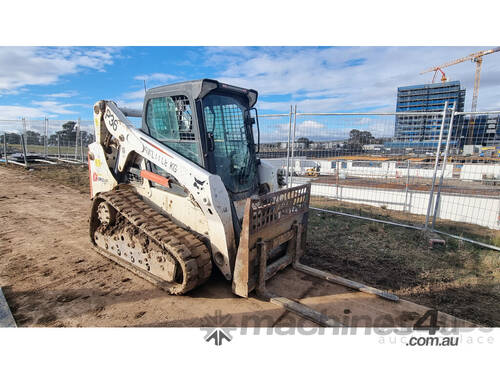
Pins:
<point x="206" y="189"/>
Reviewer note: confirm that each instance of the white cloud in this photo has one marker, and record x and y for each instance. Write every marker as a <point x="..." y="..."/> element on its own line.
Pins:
<point x="153" y="79"/>
<point x="17" y="111"/>
<point x="343" y="79"/>
<point x="162" y="77"/>
<point x="270" y="132"/>
<point x="39" y="109"/>
<point x="67" y="94"/>
<point x="25" y="66"/>
<point x="279" y="132"/>
<point x="54" y="107"/>
<point x="309" y="125"/>
<point x="138" y="94"/>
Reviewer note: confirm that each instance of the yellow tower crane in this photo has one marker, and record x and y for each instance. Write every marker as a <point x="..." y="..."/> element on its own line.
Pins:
<point x="476" y="57"/>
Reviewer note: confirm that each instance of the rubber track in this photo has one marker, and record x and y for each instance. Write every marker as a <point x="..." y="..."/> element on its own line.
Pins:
<point x="191" y="253"/>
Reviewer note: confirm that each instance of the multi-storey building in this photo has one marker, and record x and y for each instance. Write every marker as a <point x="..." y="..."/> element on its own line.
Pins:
<point x="422" y="131"/>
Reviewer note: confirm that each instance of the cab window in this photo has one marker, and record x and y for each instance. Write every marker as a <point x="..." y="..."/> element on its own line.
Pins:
<point x="169" y="120"/>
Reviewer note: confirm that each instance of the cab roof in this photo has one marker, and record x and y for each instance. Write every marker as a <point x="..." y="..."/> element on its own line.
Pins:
<point x="198" y="89"/>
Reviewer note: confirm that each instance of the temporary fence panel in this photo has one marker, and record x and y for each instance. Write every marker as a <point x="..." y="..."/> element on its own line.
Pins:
<point x="47" y="138"/>
<point x="388" y="160"/>
<point x="366" y="158"/>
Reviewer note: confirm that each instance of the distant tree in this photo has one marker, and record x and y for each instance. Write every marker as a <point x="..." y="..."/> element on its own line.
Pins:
<point x="53" y="139"/>
<point x="69" y="127"/>
<point x="86" y="137"/>
<point x="359" y="138"/>
<point x="304" y="140"/>
<point x="11" y="138"/>
<point x="67" y="134"/>
<point x="33" y="138"/>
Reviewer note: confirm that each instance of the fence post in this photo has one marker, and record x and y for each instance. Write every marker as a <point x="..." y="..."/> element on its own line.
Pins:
<point x="47" y="138"/>
<point x="337" y="166"/>
<point x="436" y="164"/>
<point x="443" y="167"/>
<point x="405" y="208"/>
<point x="288" y="147"/>
<point x="81" y="147"/>
<point x="44" y="154"/>
<point x="76" y="138"/>
<point x="5" y="148"/>
<point x="24" y="151"/>
<point x="58" y="147"/>
<point x="24" y="132"/>
<point x="293" y="143"/>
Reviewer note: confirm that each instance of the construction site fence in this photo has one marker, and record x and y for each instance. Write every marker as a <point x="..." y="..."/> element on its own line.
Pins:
<point x="45" y="140"/>
<point x="432" y="171"/>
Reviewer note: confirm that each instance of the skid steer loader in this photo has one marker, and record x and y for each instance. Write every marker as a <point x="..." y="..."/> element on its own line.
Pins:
<point x="187" y="192"/>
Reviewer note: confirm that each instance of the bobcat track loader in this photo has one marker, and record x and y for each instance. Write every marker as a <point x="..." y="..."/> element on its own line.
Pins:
<point x="186" y="193"/>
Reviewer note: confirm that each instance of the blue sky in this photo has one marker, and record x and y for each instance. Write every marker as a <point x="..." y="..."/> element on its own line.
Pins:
<point x="64" y="82"/>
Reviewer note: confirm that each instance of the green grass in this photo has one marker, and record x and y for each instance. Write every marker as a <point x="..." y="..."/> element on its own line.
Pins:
<point x="496" y="240"/>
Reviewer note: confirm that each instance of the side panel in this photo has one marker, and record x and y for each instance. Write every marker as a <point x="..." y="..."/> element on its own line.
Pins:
<point x="268" y="175"/>
<point x="101" y="178"/>
<point x="181" y="209"/>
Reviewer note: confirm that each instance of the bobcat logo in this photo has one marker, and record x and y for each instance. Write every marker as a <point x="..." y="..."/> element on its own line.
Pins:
<point x="198" y="183"/>
<point x="215" y="331"/>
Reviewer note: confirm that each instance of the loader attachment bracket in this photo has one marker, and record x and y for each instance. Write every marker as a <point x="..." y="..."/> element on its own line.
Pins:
<point x="271" y="221"/>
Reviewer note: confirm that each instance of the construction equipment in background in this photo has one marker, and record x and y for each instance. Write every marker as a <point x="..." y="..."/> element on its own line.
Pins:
<point x="312" y="172"/>
<point x="476" y="57"/>
<point x="187" y="192"/>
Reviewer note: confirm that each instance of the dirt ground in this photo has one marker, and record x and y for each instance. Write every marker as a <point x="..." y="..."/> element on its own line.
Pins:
<point x="51" y="276"/>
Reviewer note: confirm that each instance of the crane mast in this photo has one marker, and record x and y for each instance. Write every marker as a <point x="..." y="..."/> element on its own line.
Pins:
<point x="477" y="78"/>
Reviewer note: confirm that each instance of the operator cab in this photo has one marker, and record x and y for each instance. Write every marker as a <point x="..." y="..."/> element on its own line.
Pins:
<point x="211" y="124"/>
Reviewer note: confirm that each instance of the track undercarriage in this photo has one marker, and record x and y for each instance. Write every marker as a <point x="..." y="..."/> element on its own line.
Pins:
<point x="127" y="230"/>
